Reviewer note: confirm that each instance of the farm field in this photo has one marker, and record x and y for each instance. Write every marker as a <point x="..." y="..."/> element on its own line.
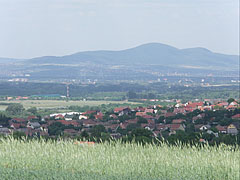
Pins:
<point x="53" y="104"/>
<point x="66" y="160"/>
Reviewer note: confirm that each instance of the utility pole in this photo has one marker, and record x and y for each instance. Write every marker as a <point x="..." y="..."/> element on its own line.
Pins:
<point x="67" y="90"/>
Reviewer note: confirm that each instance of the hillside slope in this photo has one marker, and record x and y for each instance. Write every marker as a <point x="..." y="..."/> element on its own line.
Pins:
<point x="153" y="53"/>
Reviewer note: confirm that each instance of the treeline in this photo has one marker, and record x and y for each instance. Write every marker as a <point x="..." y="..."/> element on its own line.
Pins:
<point x="120" y="91"/>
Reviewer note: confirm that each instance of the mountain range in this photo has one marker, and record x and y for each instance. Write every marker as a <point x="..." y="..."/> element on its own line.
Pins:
<point x="152" y="58"/>
<point x="152" y="53"/>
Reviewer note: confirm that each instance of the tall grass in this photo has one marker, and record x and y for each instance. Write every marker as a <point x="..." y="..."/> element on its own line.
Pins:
<point x="21" y="159"/>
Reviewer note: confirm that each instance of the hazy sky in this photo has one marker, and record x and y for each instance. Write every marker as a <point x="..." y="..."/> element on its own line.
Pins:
<point x="30" y="28"/>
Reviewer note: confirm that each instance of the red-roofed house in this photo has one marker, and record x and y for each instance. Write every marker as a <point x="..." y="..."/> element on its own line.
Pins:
<point x="140" y="113"/>
<point x="88" y="123"/>
<point x="113" y="127"/>
<point x="176" y="127"/>
<point x="132" y="121"/>
<point x="66" y="123"/>
<point x="18" y="120"/>
<point x="237" y="117"/>
<point x="178" y="121"/>
<point x="32" y="117"/>
<point x="59" y="116"/>
<point x="149" y="111"/>
<point x="169" y="114"/>
<point x="148" y="117"/>
<point x="113" y="116"/>
<point x="122" y="110"/>
<point x="161" y="127"/>
<point x="99" y="115"/>
<point x="89" y="112"/>
<point x="223" y="104"/>
<point x="17" y="125"/>
<point x="221" y="129"/>
<point x="195" y="105"/>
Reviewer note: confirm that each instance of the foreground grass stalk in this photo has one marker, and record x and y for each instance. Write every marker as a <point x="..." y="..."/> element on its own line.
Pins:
<point x="66" y="160"/>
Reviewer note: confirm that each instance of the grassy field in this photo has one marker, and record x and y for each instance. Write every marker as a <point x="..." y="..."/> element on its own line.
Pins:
<point x="66" y="160"/>
<point x="52" y="104"/>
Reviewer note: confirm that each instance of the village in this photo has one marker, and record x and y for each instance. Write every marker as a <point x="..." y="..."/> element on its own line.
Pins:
<point x="209" y="117"/>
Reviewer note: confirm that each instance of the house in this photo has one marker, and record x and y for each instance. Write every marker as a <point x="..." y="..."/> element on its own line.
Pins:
<point x="89" y="112"/>
<point x="195" y="105"/>
<point x="223" y="104"/>
<point x="234" y="103"/>
<point x="112" y="127"/>
<point x="156" y="133"/>
<point x="44" y="127"/>
<point x="69" y="117"/>
<point x="18" y="120"/>
<point x="32" y="118"/>
<point x="67" y="123"/>
<point x="82" y="117"/>
<point x="149" y="111"/>
<point x="87" y="123"/>
<point x="232" y="129"/>
<point x="59" y="116"/>
<point x="113" y="116"/>
<point x="236" y="117"/>
<point x="178" y="121"/>
<point x="132" y="121"/>
<point x="148" y="117"/>
<point x="17" y="125"/>
<point x="149" y="127"/>
<point x="123" y="125"/>
<point x="179" y="111"/>
<point x="5" y="131"/>
<point x="140" y="109"/>
<point x="99" y="116"/>
<point x="33" y="125"/>
<point x="211" y="132"/>
<point x="202" y="127"/>
<point x="221" y="129"/>
<point x="140" y="113"/>
<point x="176" y="127"/>
<point x="122" y="111"/>
<point x="169" y="114"/>
<point x="161" y="127"/>
<point x="231" y="107"/>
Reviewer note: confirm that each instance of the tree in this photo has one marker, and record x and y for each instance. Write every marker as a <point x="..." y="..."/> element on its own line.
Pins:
<point x="15" y="109"/>
<point x="18" y="135"/>
<point x="160" y="119"/>
<point x="56" y="128"/>
<point x="151" y="96"/>
<point x="132" y="126"/>
<point x="4" y="120"/>
<point x="32" y="110"/>
<point x="84" y="134"/>
<point x="97" y="130"/>
<point x="141" y="132"/>
<point x="142" y="120"/>
<point x="131" y="95"/>
<point x="230" y="100"/>
<point x="141" y="135"/>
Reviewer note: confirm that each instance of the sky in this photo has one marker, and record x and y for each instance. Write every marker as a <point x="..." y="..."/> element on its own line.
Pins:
<point x="33" y="28"/>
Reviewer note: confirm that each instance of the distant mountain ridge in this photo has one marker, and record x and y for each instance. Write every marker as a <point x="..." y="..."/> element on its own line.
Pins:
<point x="150" y="54"/>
